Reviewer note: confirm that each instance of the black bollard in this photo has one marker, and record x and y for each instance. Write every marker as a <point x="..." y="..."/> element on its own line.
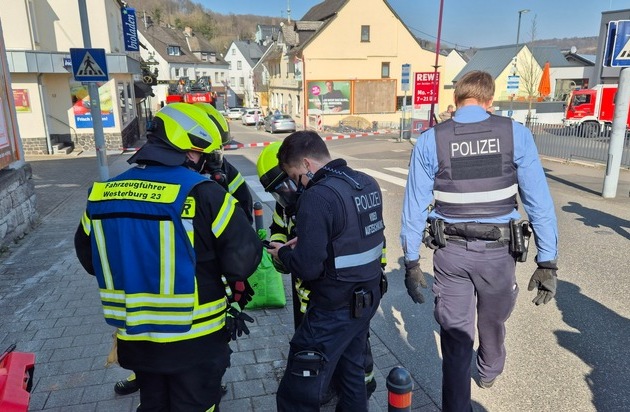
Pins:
<point x="258" y="215"/>
<point x="399" y="387"/>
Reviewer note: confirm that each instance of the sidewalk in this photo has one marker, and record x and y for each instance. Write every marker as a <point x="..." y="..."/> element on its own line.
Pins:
<point x="50" y="306"/>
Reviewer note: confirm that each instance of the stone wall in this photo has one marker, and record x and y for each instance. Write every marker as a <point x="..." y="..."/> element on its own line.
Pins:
<point x="17" y="204"/>
<point x="35" y="146"/>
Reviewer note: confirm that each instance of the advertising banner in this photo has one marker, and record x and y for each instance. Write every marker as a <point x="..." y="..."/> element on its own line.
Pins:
<point x="22" y="102"/>
<point x="426" y="87"/>
<point x="9" y="143"/>
<point x="130" y="29"/>
<point x="81" y="105"/>
<point x="329" y="97"/>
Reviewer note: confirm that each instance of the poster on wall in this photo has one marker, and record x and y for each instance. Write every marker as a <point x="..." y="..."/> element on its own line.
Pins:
<point x="6" y="153"/>
<point x="21" y="99"/>
<point x="81" y="105"/>
<point x="329" y="97"/>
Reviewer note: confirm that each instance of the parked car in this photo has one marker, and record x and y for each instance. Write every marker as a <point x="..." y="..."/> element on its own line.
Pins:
<point x="248" y="117"/>
<point x="236" y="113"/>
<point x="279" y="123"/>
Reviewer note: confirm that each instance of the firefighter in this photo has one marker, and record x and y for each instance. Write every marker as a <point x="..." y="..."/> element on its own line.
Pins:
<point x="339" y="224"/>
<point x="220" y="170"/>
<point x="158" y="238"/>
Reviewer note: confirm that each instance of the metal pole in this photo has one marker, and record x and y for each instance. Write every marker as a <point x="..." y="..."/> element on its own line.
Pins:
<point x="402" y="123"/>
<point x="518" y="33"/>
<point x="435" y="66"/>
<point x="617" y="137"/>
<point x="95" y="102"/>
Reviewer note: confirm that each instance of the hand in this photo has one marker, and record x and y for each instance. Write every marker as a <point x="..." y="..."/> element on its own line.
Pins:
<point x="235" y="321"/>
<point x="243" y="293"/>
<point x="414" y="280"/>
<point x="546" y="280"/>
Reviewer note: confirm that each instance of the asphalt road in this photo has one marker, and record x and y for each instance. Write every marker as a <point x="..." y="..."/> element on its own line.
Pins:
<point x="570" y="355"/>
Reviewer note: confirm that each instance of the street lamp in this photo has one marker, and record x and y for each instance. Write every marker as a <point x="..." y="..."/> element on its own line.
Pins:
<point x="514" y="71"/>
<point x="518" y="32"/>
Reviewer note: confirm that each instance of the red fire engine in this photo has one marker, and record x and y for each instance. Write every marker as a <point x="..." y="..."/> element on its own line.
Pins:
<point x="186" y="91"/>
<point x="592" y="109"/>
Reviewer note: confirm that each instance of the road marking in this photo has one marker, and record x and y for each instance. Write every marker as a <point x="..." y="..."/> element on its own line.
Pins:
<point x="398" y="170"/>
<point x="384" y="176"/>
<point x="330" y="137"/>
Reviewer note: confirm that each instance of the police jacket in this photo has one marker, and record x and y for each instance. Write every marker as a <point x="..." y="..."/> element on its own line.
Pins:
<point x="516" y="157"/>
<point x="340" y="229"/>
<point x="180" y="229"/>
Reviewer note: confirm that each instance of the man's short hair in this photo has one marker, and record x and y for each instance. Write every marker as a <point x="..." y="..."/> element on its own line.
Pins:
<point x="299" y="145"/>
<point x="477" y="85"/>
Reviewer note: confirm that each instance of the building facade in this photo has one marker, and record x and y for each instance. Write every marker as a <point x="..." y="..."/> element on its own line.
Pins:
<point x="52" y="108"/>
<point x="343" y="62"/>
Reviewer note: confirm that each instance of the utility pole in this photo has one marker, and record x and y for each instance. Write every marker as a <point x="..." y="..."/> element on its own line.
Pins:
<point x="618" y="135"/>
<point x="95" y="101"/>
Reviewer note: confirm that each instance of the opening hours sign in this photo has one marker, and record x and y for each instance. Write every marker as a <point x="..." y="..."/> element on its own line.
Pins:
<point x="426" y="87"/>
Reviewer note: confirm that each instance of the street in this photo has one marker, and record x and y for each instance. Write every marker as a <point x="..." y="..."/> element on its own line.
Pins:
<point x="569" y="355"/>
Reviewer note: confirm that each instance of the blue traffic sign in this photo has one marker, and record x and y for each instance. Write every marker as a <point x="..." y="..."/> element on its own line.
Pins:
<point x="610" y="43"/>
<point x="513" y="83"/>
<point x="89" y="65"/>
<point x="404" y="79"/>
<point x="620" y="56"/>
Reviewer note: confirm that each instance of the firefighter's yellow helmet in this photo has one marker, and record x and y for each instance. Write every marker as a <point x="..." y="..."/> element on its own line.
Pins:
<point x="186" y="127"/>
<point x="218" y="119"/>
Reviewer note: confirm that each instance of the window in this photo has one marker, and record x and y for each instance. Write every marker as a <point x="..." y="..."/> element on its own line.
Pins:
<point x="232" y="81"/>
<point x="241" y="81"/>
<point x="239" y="65"/>
<point x="185" y="71"/>
<point x="233" y="52"/>
<point x="173" y="51"/>
<point x="365" y="33"/>
<point x="385" y="70"/>
<point x="204" y="57"/>
<point x="176" y="72"/>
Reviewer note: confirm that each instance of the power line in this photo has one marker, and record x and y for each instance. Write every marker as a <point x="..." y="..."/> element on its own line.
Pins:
<point x="442" y="40"/>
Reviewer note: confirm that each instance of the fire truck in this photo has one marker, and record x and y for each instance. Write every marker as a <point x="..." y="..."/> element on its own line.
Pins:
<point x="187" y="91"/>
<point x="592" y="109"/>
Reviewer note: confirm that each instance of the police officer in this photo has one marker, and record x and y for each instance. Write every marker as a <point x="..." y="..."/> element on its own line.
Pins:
<point x="217" y="168"/>
<point x="473" y="166"/>
<point x="339" y="226"/>
<point x="158" y="237"/>
<point x="282" y="228"/>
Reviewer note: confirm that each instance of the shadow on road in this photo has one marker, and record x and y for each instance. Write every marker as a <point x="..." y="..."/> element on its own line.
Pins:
<point x="570" y="183"/>
<point x="601" y="341"/>
<point x="596" y="218"/>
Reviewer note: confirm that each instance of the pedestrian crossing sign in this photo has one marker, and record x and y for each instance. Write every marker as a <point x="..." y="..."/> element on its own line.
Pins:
<point x="617" y="47"/>
<point x="89" y="65"/>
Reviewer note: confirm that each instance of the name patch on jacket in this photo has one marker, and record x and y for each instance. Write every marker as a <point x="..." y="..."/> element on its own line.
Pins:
<point x="134" y="190"/>
<point x="370" y="213"/>
<point x="476" y="159"/>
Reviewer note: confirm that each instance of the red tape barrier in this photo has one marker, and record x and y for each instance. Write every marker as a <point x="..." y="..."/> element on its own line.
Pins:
<point x="263" y="144"/>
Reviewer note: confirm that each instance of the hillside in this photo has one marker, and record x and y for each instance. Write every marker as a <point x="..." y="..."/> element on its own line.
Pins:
<point x="221" y="29"/>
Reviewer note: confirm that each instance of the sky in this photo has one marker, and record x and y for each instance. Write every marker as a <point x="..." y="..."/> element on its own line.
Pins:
<point x="465" y="23"/>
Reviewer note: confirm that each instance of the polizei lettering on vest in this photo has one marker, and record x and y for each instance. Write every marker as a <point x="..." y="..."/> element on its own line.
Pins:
<point x="475" y="147"/>
<point x="368" y="201"/>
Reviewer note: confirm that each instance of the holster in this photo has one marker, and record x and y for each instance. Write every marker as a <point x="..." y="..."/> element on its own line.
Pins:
<point x="434" y="237"/>
<point x="361" y="298"/>
<point x="307" y="364"/>
<point x="520" y="232"/>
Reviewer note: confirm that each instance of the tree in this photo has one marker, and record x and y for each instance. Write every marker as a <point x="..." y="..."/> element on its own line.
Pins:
<point x="529" y="72"/>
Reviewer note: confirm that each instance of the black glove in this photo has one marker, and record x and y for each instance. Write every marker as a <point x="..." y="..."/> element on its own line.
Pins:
<point x="235" y="321"/>
<point x="243" y="293"/>
<point x="414" y="280"/>
<point x="546" y="280"/>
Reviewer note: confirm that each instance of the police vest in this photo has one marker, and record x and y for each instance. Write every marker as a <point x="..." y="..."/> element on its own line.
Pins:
<point x="358" y="248"/>
<point x="145" y="260"/>
<point x="476" y="174"/>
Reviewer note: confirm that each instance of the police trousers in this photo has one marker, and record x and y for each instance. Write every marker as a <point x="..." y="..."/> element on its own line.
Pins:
<point x="471" y="278"/>
<point x="341" y="340"/>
